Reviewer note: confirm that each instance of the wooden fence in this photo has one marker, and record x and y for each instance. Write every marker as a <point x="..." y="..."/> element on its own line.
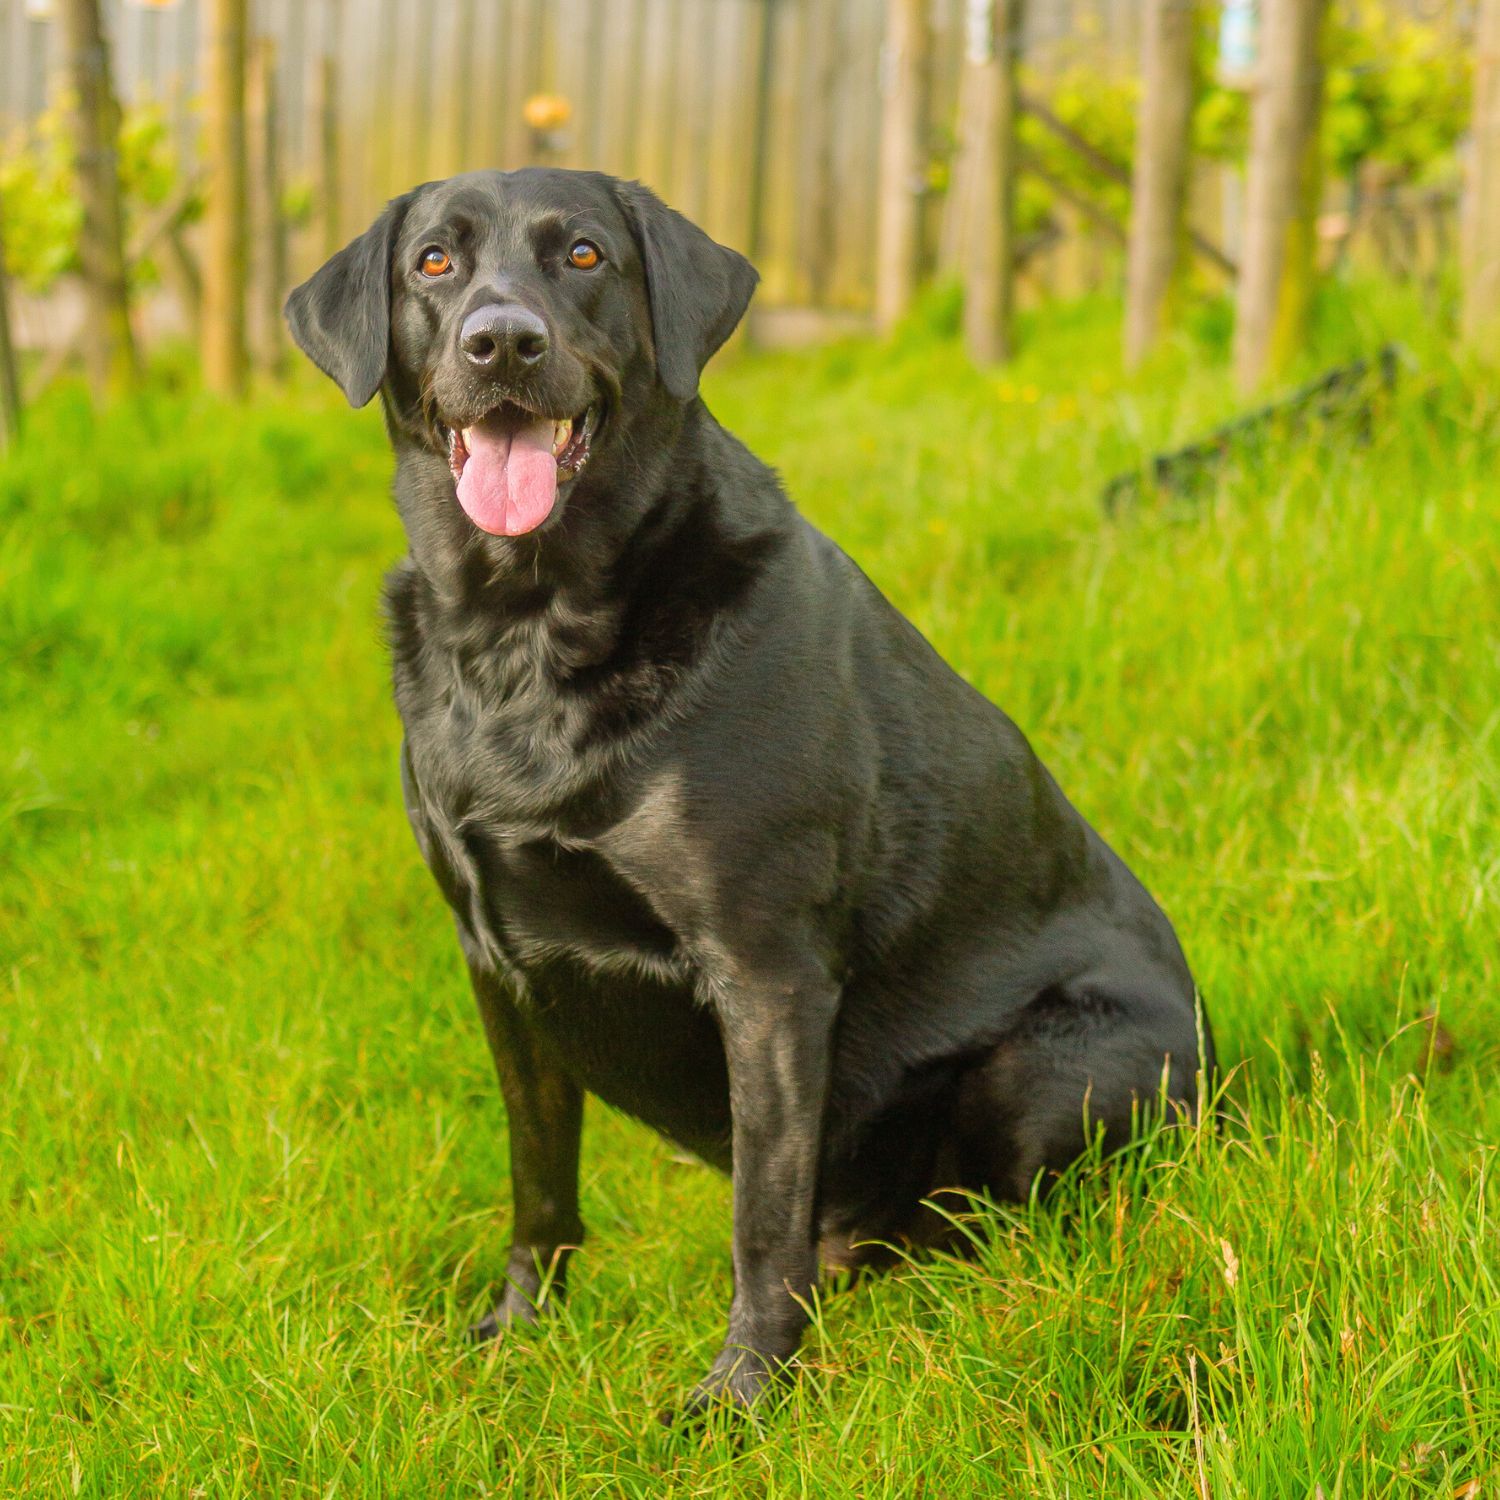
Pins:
<point x="758" y="118"/>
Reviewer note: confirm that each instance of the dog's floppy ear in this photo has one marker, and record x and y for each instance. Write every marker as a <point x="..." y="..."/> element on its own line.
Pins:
<point x="698" y="289"/>
<point x="340" y="317"/>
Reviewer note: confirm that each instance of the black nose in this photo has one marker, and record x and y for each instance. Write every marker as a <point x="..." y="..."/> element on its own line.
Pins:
<point x="503" y="339"/>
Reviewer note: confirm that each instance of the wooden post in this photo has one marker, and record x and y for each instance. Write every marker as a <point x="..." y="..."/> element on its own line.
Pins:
<point x="330" y="237"/>
<point x="415" y="164"/>
<point x="10" y="383"/>
<point x="1160" y="180"/>
<point x="953" y="233"/>
<point x="989" y="262"/>
<point x="819" y="216"/>
<point x="903" y="153"/>
<point x="1279" y="263"/>
<point x="633" y="114"/>
<point x="225" y="212"/>
<point x="760" y="138"/>
<point x="465" y="32"/>
<point x="1481" y="309"/>
<point x="379" y="146"/>
<point x="588" y="139"/>
<point x="327" y="185"/>
<point x="108" y="343"/>
<point x="267" y="221"/>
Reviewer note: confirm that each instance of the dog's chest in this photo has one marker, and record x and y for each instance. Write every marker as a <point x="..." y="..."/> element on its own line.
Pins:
<point x="604" y="976"/>
<point x="531" y="892"/>
<point x="551" y="903"/>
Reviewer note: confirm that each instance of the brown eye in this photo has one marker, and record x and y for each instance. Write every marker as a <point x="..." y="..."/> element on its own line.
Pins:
<point x="584" y="255"/>
<point x="436" y="262"/>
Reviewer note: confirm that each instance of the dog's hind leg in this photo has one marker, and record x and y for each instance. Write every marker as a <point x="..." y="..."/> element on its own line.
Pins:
<point x="1081" y="1059"/>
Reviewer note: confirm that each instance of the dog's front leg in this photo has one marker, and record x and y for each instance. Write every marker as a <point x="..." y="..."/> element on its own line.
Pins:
<point x="544" y="1114"/>
<point x="777" y="1027"/>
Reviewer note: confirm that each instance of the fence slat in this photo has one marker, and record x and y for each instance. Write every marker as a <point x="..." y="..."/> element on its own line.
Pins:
<point x="782" y="160"/>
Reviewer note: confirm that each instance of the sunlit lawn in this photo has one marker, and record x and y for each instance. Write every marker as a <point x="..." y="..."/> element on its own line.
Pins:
<point x="252" y="1160"/>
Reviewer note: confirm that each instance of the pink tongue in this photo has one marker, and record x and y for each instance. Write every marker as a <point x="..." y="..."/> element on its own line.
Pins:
<point x="509" y="484"/>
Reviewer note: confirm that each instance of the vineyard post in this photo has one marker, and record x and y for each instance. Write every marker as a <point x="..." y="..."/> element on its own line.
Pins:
<point x="1279" y="263"/>
<point x="1160" y="178"/>
<point x="266" y="215"/>
<point x="108" y="343"/>
<point x="225" y="230"/>
<point x="903" y="153"/>
<point x="1481" y="306"/>
<point x="989" y="261"/>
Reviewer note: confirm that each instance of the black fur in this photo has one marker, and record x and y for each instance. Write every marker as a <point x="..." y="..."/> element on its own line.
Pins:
<point x="727" y="843"/>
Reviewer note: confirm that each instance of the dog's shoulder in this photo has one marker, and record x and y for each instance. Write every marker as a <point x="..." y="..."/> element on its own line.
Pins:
<point x="401" y="601"/>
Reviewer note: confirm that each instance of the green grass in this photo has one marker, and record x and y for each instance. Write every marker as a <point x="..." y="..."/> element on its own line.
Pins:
<point x="252" y="1160"/>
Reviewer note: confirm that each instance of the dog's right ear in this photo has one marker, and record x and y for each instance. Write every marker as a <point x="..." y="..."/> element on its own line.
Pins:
<point x="698" y="290"/>
<point x="340" y="317"/>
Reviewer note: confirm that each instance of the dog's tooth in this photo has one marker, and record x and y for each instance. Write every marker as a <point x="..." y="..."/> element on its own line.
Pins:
<point x="561" y="432"/>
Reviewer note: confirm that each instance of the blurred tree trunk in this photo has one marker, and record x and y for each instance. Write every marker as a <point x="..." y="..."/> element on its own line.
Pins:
<point x="326" y="133"/>
<point x="225" y="213"/>
<point x="1481" y="310"/>
<point x="760" y="135"/>
<point x="269" y="223"/>
<point x="108" y="344"/>
<point x="10" y="383"/>
<point x="990" y="253"/>
<point x="1279" y="264"/>
<point x="330" y="236"/>
<point x="903" y="159"/>
<point x="1162" y="161"/>
<point x="953" y="234"/>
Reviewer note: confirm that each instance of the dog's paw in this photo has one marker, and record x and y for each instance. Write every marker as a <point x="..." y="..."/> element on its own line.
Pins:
<point x="513" y="1310"/>
<point x="738" y="1382"/>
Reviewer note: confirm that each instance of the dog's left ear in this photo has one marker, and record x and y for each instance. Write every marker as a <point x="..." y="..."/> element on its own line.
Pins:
<point x="698" y="288"/>
<point x="340" y="317"/>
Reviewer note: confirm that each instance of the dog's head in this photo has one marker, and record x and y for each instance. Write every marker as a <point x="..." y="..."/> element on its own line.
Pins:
<point x="520" y="324"/>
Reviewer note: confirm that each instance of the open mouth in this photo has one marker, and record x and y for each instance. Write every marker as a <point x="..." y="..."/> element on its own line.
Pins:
<point x="509" y="464"/>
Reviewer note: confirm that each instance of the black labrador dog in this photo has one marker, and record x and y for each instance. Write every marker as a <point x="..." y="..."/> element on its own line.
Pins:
<point x="728" y="844"/>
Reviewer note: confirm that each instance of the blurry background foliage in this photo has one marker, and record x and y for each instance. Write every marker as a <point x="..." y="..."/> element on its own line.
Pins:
<point x="41" y="211"/>
<point x="1398" y="99"/>
<point x="38" y="204"/>
<point x="1398" y="96"/>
